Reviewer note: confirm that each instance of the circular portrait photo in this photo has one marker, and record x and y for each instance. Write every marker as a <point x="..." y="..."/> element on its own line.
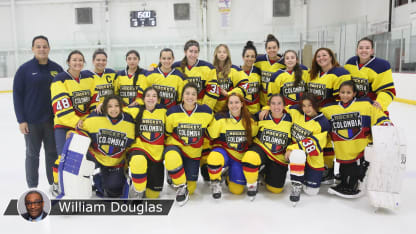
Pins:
<point x="34" y="205"/>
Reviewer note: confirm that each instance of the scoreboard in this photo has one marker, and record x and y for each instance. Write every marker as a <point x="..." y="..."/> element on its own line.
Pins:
<point x="142" y="18"/>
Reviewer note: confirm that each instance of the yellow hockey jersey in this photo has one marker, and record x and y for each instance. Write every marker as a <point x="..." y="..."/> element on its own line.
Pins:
<point x="151" y="135"/>
<point x="169" y="86"/>
<point x="228" y="133"/>
<point x="351" y="126"/>
<point x="187" y="131"/>
<point x="310" y="135"/>
<point x="274" y="136"/>
<point x="204" y="75"/>
<point x="283" y="82"/>
<point x="110" y="138"/>
<point x="267" y="69"/>
<point x="252" y="97"/>
<point x="103" y="85"/>
<point x="71" y="99"/>
<point x="124" y="87"/>
<point x="374" y="79"/>
<point x="234" y="83"/>
<point x="326" y="86"/>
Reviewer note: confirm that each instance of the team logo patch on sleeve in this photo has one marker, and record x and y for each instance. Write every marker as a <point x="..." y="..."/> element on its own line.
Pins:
<point x="317" y="90"/>
<point x="152" y="129"/>
<point x="111" y="142"/>
<point x="236" y="139"/>
<point x="292" y="92"/>
<point x="275" y="141"/>
<point x="347" y="126"/>
<point x="362" y="85"/>
<point x="81" y="101"/>
<point x="299" y="133"/>
<point x="189" y="133"/>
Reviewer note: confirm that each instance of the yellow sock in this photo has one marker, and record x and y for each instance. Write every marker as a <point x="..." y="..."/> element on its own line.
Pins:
<point x="174" y="165"/>
<point x="55" y="170"/>
<point x="191" y="187"/>
<point x="235" y="188"/>
<point x="251" y="162"/>
<point x="273" y="189"/>
<point x="215" y="163"/>
<point x="152" y="194"/>
<point x="138" y="169"/>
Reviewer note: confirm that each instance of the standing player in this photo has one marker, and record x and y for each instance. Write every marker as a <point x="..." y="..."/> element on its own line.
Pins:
<point x="291" y="82"/>
<point x="145" y="154"/>
<point x="253" y="75"/>
<point x="185" y="125"/>
<point x="128" y="83"/>
<point x="228" y="75"/>
<point x="268" y="64"/>
<point x="268" y="149"/>
<point x="166" y="80"/>
<point x="372" y="75"/>
<point x="103" y="77"/>
<point x="309" y="133"/>
<point x="32" y="105"/>
<point x="231" y="131"/>
<point x="71" y="93"/>
<point x="203" y="74"/>
<point x="351" y="119"/>
<point x="326" y="75"/>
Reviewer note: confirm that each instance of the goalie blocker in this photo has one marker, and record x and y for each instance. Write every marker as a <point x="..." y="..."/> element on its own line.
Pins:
<point x="387" y="157"/>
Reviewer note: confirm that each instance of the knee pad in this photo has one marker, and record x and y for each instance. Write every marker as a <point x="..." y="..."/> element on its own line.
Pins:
<point x="252" y="158"/>
<point x="235" y="188"/>
<point x="191" y="186"/>
<point x="215" y="162"/>
<point x="151" y="193"/>
<point x="310" y="191"/>
<point x="138" y="164"/>
<point x="274" y="189"/>
<point x="173" y="160"/>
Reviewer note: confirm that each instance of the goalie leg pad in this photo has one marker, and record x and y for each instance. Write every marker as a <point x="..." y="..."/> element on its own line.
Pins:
<point x="75" y="170"/>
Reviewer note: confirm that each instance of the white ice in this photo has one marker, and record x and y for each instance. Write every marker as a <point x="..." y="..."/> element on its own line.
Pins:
<point x="269" y="213"/>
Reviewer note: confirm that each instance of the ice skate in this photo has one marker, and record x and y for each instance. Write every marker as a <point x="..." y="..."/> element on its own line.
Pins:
<point x="252" y="191"/>
<point x="328" y="177"/>
<point x="295" y="193"/>
<point x="216" y="189"/>
<point x="182" y="194"/>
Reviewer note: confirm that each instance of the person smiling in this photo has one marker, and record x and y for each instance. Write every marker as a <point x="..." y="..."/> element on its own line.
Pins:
<point x="103" y="77"/>
<point x="34" y="205"/>
<point x="372" y="75"/>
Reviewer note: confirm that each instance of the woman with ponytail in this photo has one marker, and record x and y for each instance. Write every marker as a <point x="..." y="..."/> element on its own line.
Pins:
<point x="128" y="83"/>
<point x="291" y="82"/>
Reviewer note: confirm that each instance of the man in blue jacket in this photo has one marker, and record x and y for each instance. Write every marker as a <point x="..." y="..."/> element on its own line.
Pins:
<point x="32" y="105"/>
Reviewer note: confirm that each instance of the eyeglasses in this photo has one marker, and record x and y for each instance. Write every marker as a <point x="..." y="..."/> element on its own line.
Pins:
<point x="35" y="203"/>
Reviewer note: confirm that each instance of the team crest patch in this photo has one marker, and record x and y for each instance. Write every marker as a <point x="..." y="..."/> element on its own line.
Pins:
<point x="225" y="83"/>
<point x="167" y="94"/>
<point x="265" y="76"/>
<point x="292" y="92"/>
<point x="274" y="141"/>
<point x="362" y="85"/>
<point x="253" y="88"/>
<point x="197" y="81"/>
<point x="111" y="142"/>
<point x="299" y="133"/>
<point x="151" y="129"/>
<point x="53" y="73"/>
<point x="236" y="139"/>
<point x="81" y="101"/>
<point x="104" y="90"/>
<point x="347" y="126"/>
<point x="318" y="90"/>
<point x="189" y="133"/>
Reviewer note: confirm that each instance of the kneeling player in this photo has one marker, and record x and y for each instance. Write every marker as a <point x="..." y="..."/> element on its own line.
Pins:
<point x="351" y="120"/>
<point x="309" y="133"/>
<point x="111" y="133"/>
<point x="268" y="149"/>
<point x="232" y="132"/>
<point x="145" y="155"/>
<point x="185" y="125"/>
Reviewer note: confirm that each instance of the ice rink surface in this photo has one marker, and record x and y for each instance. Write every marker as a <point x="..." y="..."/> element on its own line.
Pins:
<point x="269" y="213"/>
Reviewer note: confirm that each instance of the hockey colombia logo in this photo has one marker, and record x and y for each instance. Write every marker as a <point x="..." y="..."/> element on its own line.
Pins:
<point x="274" y="140"/>
<point x="151" y="129"/>
<point x="318" y="90"/>
<point x="105" y="90"/>
<point x="236" y="139"/>
<point x="225" y="83"/>
<point x="362" y="85"/>
<point x="347" y="126"/>
<point x="111" y="142"/>
<point x="292" y="92"/>
<point x="167" y="94"/>
<point x="197" y="81"/>
<point x="81" y="100"/>
<point x="299" y="133"/>
<point x="189" y="133"/>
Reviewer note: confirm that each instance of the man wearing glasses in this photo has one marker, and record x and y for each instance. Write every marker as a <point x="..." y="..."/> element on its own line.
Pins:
<point x="34" y="206"/>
